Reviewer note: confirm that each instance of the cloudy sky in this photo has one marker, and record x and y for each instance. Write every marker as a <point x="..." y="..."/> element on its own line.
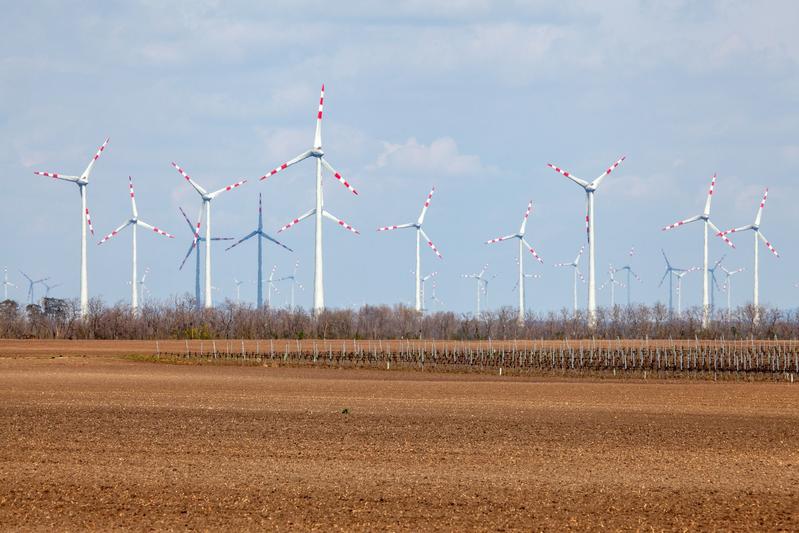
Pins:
<point x="473" y="97"/>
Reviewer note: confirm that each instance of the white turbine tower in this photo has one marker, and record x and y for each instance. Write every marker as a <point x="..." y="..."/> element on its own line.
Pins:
<point x="728" y="287"/>
<point x="576" y="268"/>
<point x="238" y="290"/>
<point x="424" y="280"/>
<point x="526" y="277"/>
<point x="317" y="152"/>
<point x="590" y="188"/>
<point x="135" y="222"/>
<point x="755" y="227"/>
<point x="270" y="286"/>
<point x="520" y="260"/>
<point x="707" y="223"/>
<point x="6" y="284"/>
<point x="194" y="247"/>
<point x="419" y="234"/>
<point x="82" y="182"/>
<point x="207" y="197"/>
<point x="259" y="232"/>
<point x="32" y="284"/>
<point x="680" y="275"/>
<point x="480" y="281"/>
<point x="630" y="273"/>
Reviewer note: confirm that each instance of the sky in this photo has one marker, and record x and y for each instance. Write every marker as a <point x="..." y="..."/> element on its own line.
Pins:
<point x="474" y="97"/>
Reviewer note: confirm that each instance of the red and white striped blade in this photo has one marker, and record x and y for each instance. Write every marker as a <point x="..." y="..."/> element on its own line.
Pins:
<point x="526" y="216"/>
<point x="426" y="205"/>
<point x="430" y="243"/>
<point x="154" y="228"/>
<point x="94" y="160"/>
<point x="89" y="220"/>
<point x="57" y="176"/>
<point x="228" y="188"/>
<point x="200" y="190"/>
<point x="338" y="176"/>
<point x="115" y="232"/>
<point x="500" y="239"/>
<point x="720" y="234"/>
<point x="296" y="220"/>
<point x="397" y="226"/>
<point x="760" y="209"/>
<point x="710" y="195"/>
<point x="532" y="251"/>
<point x="575" y="179"/>
<point x="199" y="222"/>
<point x="286" y="165"/>
<point x="767" y="243"/>
<point x="132" y="196"/>
<point x="681" y="222"/>
<point x="340" y="222"/>
<point x="595" y="184"/>
<point x="317" y="138"/>
<point x="734" y="230"/>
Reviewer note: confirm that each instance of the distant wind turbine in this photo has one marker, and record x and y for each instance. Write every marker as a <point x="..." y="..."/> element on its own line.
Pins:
<point x="6" y="284"/>
<point x="728" y="287"/>
<point x="481" y="282"/>
<point x="194" y="247"/>
<point x="32" y="284"/>
<point x="294" y="283"/>
<point x="680" y="275"/>
<point x="576" y="271"/>
<point x="630" y="273"/>
<point x="612" y="282"/>
<point x="670" y="273"/>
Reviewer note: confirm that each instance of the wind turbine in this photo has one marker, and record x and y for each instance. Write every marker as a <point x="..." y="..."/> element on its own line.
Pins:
<point x="419" y="234"/>
<point x="714" y="282"/>
<point x="142" y="287"/>
<point x="520" y="260"/>
<point x="575" y="265"/>
<point x="728" y="287"/>
<point x="31" y="284"/>
<point x="526" y="276"/>
<point x="630" y="273"/>
<point x="82" y="182"/>
<point x="317" y="152"/>
<point x="134" y="222"/>
<point x="480" y="281"/>
<point x="270" y="286"/>
<point x="196" y="249"/>
<point x="259" y="232"/>
<point x="670" y="273"/>
<point x="680" y="275"/>
<point x="707" y="223"/>
<point x="755" y="227"/>
<point x="294" y="282"/>
<point x="590" y="188"/>
<point x="612" y="282"/>
<point x="48" y="288"/>
<point x="424" y="280"/>
<point x="206" y="197"/>
<point x="238" y="290"/>
<point x="433" y="296"/>
<point x="6" y="284"/>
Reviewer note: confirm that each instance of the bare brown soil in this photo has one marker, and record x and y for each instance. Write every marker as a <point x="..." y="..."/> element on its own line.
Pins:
<point x="100" y="443"/>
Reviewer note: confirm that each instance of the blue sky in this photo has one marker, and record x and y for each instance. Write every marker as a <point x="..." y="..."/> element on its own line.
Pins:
<point x="473" y="97"/>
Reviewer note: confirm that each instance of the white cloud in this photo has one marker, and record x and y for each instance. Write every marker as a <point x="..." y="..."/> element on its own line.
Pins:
<point x="440" y="157"/>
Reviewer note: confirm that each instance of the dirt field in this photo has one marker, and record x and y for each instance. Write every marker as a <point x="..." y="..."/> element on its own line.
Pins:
<point x="102" y="443"/>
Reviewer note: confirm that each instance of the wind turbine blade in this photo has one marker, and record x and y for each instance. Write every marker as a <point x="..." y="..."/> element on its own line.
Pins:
<point x="760" y="209"/>
<point x="337" y="175"/>
<point x="228" y="188"/>
<point x="296" y="220"/>
<point x="191" y="248"/>
<point x="248" y="236"/>
<point x="57" y="176"/>
<point x="665" y="275"/>
<point x="89" y="168"/>
<point x="115" y="232"/>
<point x="430" y="243"/>
<point x="595" y="184"/>
<point x="132" y="197"/>
<point x="561" y="264"/>
<point x="523" y="227"/>
<point x="155" y="229"/>
<point x="200" y="190"/>
<point x="581" y="182"/>
<point x="579" y="254"/>
<point x="681" y="222"/>
<point x="89" y="220"/>
<point x="269" y="238"/>
<point x="734" y="230"/>
<point x="500" y="239"/>
<point x="710" y="195"/>
<point x="340" y="222"/>
<point x="186" y="218"/>
<point x="317" y="138"/>
<point x="397" y="226"/>
<point x="223" y="238"/>
<point x="287" y="164"/>
<point x="720" y="234"/>
<point x="532" y="251"/>
<point x="580" y="274"/>
<point x="767" y="243"/>
<point x="425" y="206"/>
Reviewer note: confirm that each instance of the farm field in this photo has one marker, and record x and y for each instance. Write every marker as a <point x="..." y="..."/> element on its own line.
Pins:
<point x="101" y="442"/>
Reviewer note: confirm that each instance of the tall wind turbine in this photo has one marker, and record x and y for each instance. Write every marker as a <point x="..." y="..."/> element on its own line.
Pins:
<point x="480" y="281"/>
<point x="6" y="284"/>
<point x="259" y="232"/>
<point x="522" y="245"/>
<point x="630" y="273"/>
<point x="194" y="247"/>
<point x="612" y="282"/>
<point x="32" y="284"/>
<point x="755" y="227"/>
<point x="575" y="266"/>
<point x="707" y="223"/>
<point x="671" y="271"/>
<point x="206" y="197"/>
<point x="590" y="188"/>
<point x="317" y="152"/>
<point x="82" y="182"/>
<point x="728" y="287"/>
<point x="134" y="222"/>
<point x="419" y="234"/>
